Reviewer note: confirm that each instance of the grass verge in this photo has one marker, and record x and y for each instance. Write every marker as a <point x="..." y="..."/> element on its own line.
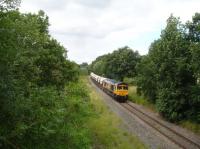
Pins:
<point x="194" y="127"/>
<point x="139" y="99"/>
<point x="105" y="126"/>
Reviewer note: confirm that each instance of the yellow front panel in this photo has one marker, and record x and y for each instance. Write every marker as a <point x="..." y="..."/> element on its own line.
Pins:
<point x="121" y="92"/>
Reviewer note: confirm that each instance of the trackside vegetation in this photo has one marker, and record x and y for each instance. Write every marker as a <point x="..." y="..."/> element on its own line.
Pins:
<point x="42" y="102"/>
<point x="168" y="77"/>
<point x="169" y="74"/>
<point x="46" y="103"/>
<point x="139" y="99"/>
<point x="105" y="127"/>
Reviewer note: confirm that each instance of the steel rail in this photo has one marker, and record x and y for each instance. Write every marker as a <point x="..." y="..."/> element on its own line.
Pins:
<point x="160" y="126"/>
<point x="181" y="144"/>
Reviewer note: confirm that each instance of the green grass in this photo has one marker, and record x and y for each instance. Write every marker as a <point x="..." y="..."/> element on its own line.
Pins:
<point x="133" y="96"/>
<point x="194" y="127"/>
<point x="105" y="126"/>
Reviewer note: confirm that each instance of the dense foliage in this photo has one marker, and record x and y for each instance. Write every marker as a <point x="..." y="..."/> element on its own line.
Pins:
<point x="39" y="106"/>
<point x="169" y="74"/>
<point x="117" y="65"/>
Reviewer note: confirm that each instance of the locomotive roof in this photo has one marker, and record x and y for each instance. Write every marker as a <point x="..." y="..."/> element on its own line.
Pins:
<point x="121" y="83"/>
<point x="114" y="82"/>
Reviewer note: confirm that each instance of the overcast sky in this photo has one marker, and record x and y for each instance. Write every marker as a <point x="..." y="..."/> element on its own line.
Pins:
<point x="90" y="28"/>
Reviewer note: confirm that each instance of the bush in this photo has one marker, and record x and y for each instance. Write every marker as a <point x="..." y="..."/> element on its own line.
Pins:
<point x="48" y="118"/>
<point x="36" y="109"/>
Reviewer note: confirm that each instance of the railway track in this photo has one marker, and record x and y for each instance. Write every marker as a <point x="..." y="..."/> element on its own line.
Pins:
<point x="168" y="132"/>
<point x="173" y="135"/>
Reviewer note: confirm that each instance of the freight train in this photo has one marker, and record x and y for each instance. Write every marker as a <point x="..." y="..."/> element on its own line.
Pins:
<point x="118" y="90"/>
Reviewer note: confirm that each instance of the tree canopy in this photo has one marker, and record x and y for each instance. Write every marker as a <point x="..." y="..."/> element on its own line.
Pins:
<point x="34" y="71"/>
<point x="168" y="74"/>
<point x="117" y="65"/>
<point x="9" y="4"/>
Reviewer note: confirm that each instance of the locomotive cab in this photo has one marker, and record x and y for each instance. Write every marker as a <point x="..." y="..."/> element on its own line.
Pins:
<point x="121" y="91"/>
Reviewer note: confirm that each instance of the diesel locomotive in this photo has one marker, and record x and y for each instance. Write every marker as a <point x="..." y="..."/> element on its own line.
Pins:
<point x="118" y="90"/>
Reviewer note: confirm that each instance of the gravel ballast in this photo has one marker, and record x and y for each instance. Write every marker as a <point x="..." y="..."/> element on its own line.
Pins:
<point x="149" y="136"/>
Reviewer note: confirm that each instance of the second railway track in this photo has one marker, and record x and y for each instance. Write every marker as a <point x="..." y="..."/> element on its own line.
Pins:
<point x="171" y="134"/>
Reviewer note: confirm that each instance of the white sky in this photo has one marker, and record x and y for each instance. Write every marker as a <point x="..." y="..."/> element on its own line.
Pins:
<point x="90" y="28"/>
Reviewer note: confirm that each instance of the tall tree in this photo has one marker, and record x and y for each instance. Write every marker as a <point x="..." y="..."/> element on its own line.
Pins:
<point x="194" y="38"/>
<point x="33" y="70"/>
<point x="147" y="73"/>
<point x="169" y="62"/>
